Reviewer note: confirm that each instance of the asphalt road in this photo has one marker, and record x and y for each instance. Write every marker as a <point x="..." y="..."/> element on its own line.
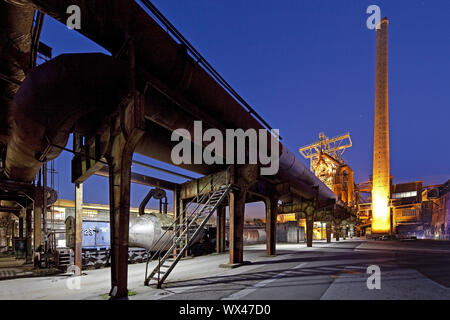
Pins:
<point x="408" y="270"/>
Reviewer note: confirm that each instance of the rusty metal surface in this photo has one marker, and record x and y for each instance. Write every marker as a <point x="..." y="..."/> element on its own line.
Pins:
<point x="51" y="100"/>
<point x="159" y="55"/>
<point x="15" y="47"/>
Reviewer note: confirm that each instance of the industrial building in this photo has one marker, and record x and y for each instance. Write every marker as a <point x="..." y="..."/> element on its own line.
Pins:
<point x="415" y="210"/>
<point x="152" y="86"/>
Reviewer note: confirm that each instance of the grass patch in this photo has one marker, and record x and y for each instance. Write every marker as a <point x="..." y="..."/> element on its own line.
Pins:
<point x="130" y="294"/>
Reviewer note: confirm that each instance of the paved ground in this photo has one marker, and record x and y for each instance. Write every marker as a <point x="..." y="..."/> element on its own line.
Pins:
<point x="409" y="270"/>
<point x="11" y="268"/>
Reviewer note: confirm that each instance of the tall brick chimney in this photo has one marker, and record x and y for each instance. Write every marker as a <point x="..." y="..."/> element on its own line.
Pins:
<point x="381" y="172"/>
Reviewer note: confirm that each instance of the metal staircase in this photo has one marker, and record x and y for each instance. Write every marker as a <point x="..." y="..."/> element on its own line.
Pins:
<point x="177" y="238"/>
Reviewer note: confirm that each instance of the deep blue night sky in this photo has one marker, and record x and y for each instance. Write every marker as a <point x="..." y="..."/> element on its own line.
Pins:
<point x="309" y="66"/>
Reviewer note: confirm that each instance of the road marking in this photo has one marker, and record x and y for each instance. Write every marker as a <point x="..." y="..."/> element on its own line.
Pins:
<point x="356" y="267"/>
<point x="245" y="292"/>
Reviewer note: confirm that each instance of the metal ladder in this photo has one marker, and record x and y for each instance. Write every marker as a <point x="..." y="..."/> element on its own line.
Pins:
<point x="184" y="233"/>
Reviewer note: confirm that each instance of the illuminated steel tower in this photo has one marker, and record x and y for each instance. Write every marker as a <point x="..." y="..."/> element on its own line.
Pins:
<point x="381" y="172"/>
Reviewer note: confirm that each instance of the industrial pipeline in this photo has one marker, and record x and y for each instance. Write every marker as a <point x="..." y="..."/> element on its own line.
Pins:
<point x="76" y="93"/>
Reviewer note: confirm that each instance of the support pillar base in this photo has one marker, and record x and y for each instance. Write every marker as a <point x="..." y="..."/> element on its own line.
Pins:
<point x="234" y="265"/>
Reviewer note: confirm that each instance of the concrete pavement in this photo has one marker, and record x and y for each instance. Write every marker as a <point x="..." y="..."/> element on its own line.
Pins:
<point x="413" y="270"/>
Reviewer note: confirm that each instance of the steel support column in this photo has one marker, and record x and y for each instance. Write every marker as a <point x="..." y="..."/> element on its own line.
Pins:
<point x="237" y="210"/>
<point x="328" y="227"/>
<point x="13" y="231"/>
<point x="29" y="230"/>
<point x="21" y="227"/>
<point x="119" y="162"/>
<point x="182" y="218"/>
<point x="37" y="216"/>
<point x="126" y="132"/>
<point x="177" y="209"/>
<point x="271" y="225"/>
<point x="309" y="229"/>
<point x="337" y="229"/>
<point x="78" y="227"/>
<point x="220" y="230"/>
<point x="344" y="231"/>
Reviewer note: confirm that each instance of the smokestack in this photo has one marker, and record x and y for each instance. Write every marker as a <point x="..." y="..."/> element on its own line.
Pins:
<point x="381" y="172"/>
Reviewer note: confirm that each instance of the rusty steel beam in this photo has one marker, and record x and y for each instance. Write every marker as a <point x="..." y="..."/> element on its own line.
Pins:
<point x="202" y="185"/>
<point x="87" y="162"/>
<point x="149" y="166"/>
<point x="143" y="179"/>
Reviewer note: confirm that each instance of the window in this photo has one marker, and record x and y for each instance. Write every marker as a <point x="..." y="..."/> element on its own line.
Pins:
<point x="410" y="212"/>
<point x="408" y="194"/>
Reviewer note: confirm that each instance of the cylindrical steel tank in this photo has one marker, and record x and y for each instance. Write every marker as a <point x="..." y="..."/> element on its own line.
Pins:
<point x="145" y="230"/>
<point x="252" y="235"/>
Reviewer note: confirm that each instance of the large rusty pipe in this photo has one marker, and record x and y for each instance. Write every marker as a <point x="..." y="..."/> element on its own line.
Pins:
<point x="52" y="99"/>
<point x="60" y="94"/>
<point x="158" y="54"/>
<point x="293" y="170"/>
<point x="16" y="20"/>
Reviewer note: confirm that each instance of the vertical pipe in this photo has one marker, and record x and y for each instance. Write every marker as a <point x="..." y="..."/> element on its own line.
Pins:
<point x="78" y="227"/>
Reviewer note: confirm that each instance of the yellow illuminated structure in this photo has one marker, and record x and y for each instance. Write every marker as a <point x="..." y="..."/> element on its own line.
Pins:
<point x="326" y="162"/>
<point x="381" y="175"/>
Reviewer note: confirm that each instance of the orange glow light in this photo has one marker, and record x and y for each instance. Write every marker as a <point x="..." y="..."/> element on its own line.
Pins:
<point x="380" y="211"/>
